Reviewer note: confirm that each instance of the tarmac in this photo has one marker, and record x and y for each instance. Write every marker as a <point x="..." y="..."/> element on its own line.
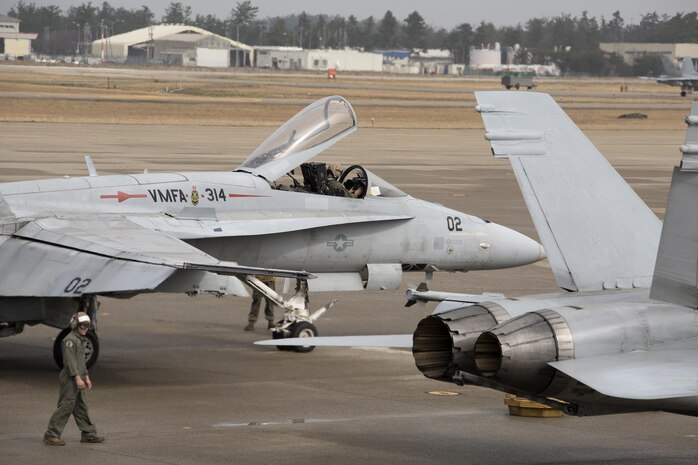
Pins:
<point x="179" y="381"/>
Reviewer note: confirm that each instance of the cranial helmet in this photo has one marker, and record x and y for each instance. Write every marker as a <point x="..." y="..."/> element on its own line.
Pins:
<point x="79" y="318"/>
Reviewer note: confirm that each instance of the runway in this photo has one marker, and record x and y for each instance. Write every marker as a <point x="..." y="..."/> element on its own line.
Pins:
<point x="179" y="382"/>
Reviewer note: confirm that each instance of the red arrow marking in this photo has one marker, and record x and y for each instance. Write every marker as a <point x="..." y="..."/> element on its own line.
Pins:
<point x="122" y="196"/>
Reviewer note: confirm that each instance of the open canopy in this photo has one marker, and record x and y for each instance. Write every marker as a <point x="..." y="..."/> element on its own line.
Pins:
<point x="314" y="129"/>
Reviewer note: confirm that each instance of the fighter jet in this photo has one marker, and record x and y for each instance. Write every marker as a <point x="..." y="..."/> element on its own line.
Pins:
<point x="624" y="338"/>
<point x="686" y="77"/>
<point x="65" y="242"/>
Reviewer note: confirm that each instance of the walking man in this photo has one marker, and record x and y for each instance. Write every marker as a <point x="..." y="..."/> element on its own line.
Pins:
<point x="75" y="382"/>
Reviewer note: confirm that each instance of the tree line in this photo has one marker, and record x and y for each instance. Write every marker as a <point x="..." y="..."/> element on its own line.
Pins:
<point x="572" y="42"/>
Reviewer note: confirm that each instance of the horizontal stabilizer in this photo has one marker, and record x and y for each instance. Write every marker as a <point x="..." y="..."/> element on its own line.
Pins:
<point x="655" y="374"/>
<point x="395" y="341"/>
<point x="597" y="232"/>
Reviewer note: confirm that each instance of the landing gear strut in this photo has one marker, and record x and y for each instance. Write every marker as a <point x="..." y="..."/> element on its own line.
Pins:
<point x="297" y="321"/>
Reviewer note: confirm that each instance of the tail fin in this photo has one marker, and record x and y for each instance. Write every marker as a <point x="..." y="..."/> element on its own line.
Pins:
<point x="670" y="68"/>
<point x="687" y="67"/>
<point x="676" y="274"/>
<point x="597" y="232"/>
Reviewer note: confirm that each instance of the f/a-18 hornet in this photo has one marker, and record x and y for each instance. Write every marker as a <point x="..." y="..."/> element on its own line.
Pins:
<point x="685" y="77"/>
<point x="624" y="338"/>
<point x="64" y="242"/>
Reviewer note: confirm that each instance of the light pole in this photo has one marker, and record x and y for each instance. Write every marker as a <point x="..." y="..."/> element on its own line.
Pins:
<point x="77" y="42"/>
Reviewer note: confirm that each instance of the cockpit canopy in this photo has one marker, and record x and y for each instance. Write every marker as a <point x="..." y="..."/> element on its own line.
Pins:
<point x="311" y="131"/>
<point x="314" y="129"/>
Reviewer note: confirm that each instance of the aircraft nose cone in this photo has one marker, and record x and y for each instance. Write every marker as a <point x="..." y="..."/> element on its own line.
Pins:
<point x="509" y="248"/>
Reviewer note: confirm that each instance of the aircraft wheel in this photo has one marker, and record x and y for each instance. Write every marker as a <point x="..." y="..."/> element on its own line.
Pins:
<point x="280" y="335"/>
<point x="91" y="348"/>
<point x="508" y="87"/>
<point x="683" y="93"/>
<point x="517" y="86"/>
<point x="303" y="329"/>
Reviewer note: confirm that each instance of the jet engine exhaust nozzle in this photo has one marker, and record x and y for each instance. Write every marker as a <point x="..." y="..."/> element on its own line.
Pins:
<point x="516" y="353"/>
<point x="444" y="343"/>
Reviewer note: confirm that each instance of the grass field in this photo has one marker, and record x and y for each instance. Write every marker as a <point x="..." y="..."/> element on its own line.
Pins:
<point x="248" y="98"/>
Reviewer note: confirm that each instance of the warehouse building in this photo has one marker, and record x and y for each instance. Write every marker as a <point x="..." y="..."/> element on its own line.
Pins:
<point x="630" y="51"/>
<point x="174" y="44"/>
<point x="14" y="44"/>
<point x="318" y="59"/>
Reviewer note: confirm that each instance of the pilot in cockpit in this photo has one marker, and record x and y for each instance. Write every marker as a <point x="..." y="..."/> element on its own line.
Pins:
<point x="334" y="187"/>
<point x="356" y="187"/>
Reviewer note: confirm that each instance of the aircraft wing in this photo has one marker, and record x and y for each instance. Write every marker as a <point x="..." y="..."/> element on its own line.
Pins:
<point x="577" y="201"/>
<point x="59" y="257"/>
<point x="654" y="374"/>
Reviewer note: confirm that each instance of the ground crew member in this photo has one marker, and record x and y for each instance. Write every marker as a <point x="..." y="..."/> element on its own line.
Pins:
<point x="257" y="297"/>
<point x="75" y="382"/>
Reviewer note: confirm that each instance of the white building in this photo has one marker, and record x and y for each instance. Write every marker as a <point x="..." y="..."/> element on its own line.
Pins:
<point x="486" y="58"/>
<point x="321" y="60"/>
<point x="192" y="50"/>
<point x="12" y="42"/>
<point x="174" y="43"/>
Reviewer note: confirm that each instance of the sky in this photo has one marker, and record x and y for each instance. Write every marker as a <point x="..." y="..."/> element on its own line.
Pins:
<point x="437" y="13"/>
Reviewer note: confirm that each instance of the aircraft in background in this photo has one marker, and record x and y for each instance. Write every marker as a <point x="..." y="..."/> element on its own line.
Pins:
<point x="685" y="77"/>
<point x="625" y="336"/>
<point x="64" y="242"/>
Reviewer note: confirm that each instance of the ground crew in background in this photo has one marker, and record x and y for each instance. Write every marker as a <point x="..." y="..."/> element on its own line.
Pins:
<point x="75" y="382"/>
<point x="257" y="300"/>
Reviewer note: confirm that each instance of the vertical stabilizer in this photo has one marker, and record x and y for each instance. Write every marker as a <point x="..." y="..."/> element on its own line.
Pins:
<point x="670" y="68"/>
<point x="687" y="68"/>
<point x="597" y="232"/>
<point x="676" y="274"/>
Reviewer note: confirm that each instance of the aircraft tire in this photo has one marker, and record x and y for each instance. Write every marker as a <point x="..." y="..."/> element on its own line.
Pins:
<point x="303" y="329"/>
<point x="683" y="93"/>
<point x="280" y="335"/>
<point x="91" y="351"/>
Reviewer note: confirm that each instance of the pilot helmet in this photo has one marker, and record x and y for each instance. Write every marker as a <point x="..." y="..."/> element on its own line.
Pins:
<point x="78" y="319"/>
<point x="335" y="169"/>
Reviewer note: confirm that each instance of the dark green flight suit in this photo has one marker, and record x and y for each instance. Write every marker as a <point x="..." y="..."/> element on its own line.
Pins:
<point x="257" y="298"/>
<point x="336" y="188"/>
<point x="71" y="399"/>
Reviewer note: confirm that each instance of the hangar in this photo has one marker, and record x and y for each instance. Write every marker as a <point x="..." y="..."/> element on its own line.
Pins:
<point x="175" y="44"/>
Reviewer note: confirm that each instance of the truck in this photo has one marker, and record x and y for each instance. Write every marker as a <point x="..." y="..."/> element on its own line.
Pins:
<point x="518" y="80"/>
